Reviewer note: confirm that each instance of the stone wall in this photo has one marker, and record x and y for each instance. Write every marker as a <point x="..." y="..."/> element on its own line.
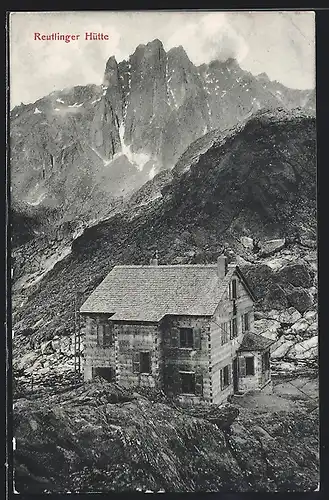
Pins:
<point x="177" y="359"/>
<point x="95" y="356"/>
<point x="134" y="338"/>
<point x="222" y="355"/>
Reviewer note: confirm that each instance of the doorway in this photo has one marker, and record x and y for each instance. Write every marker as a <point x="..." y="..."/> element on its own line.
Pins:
<point x="106" y="373"/>
<point x="235" y="375"/>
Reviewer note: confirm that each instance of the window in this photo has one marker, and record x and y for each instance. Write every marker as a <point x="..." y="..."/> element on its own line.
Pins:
<point x="186" y="337"/>
<point x="145" y="362"/>
<point x="224" y="333"/>
<point x="233" y="328"/>
<point x="233" y="290"/>
<point x="104" y="334"/>
<point x="142" y="362"/>
<point x="187" y="382"/>
<point x="250" y="366"/>
<point x="265" y="361"/>
<point x="108" y="335"/>
<point x="225" y="377"/>
<point x="245" y="322"/>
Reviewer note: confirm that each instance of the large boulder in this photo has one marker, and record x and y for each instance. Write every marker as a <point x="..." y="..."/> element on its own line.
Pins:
<point x="282" y="349"/>
<point x="276" y="298"/>
<point x="270" y="247"/>
<point x="297" y="275"/>
<point x="300" y="299"/>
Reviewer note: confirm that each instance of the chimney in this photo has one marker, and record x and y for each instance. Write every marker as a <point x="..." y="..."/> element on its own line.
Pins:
<point x="221" y="266"/>
<point x="154" y="259"/>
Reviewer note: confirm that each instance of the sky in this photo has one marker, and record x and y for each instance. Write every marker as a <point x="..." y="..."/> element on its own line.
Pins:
<point x="281" y="44"/>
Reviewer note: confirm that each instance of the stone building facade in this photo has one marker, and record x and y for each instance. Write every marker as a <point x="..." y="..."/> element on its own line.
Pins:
<point x="186" y="329"/>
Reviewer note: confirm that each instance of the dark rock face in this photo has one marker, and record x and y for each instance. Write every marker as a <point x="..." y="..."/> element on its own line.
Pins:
<point x="300" y="299"/>
<point x="297" y="275"/>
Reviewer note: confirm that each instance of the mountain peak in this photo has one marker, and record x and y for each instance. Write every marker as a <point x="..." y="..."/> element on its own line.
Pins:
<point x="111" y="63"/>
<point x="263" y="76"/>
<point x="179" y="55"/>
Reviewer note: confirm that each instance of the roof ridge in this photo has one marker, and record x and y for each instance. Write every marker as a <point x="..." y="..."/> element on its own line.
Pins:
<point x="162" y="266"/>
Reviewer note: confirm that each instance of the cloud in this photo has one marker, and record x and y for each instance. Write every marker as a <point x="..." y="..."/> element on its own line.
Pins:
<point x="210" y="37"/>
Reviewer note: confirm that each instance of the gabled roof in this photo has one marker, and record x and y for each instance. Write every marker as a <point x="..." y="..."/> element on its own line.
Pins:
<point x="148" y="293"/>
<point x="253" y="342"/>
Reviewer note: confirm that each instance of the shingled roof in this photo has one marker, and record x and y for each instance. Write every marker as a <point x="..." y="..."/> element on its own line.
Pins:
<point x="148" y="293"/>
<point x="253" y="342"/>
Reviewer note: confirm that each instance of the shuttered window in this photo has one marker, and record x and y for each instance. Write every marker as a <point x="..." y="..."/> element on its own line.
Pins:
<point x="104" y="334"/>
<point x="225" y="377"/>
<point x="142" y="362"/>
<point x="107" y="335"/>
<point x="190" y="338"/>
<point x="188" y="385"/>
<point x="233" y="328"/>
<point x="186" y="337"/>
<point x="224" y="333"/>
<point x="100" y="334"/>
<point x="136" y="364"/>
<point x="242" y="367"/>
<point x="245" y="322"/>
<point x="265" y="361"/>
<point x="197" y="338"/>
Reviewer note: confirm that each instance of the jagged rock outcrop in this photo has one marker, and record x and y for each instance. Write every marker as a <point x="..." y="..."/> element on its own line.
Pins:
<point x="103" y="438"/>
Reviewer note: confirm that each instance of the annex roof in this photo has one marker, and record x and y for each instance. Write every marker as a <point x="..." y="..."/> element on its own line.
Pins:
<point x="254" y="342"/>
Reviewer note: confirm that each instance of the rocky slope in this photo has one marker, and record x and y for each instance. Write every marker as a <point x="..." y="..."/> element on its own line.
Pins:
<point x="99" y="438"/>
<point x="250" y="194"/>
<point x="257" y="184"/>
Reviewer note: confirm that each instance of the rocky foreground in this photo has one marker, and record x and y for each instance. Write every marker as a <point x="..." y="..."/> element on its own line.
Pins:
<point x="100" y="437"/>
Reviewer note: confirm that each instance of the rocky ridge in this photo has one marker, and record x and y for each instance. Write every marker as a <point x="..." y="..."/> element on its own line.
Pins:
<point x="92" y="145"/>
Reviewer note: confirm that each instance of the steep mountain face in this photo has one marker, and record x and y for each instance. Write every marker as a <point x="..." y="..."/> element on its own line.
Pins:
<point x="92" y="146"/>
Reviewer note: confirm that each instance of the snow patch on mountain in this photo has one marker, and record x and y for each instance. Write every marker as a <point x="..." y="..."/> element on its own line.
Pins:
<point x="137" y="159"/>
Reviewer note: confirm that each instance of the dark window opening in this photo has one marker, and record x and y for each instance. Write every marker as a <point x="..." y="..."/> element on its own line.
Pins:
<point x="145" y="362"/>
<point x="265" y="361"/>
<point x="225" y="378"/>
<point x="233" y="290"/>
<point x="245" y="322"/>
<point x="250" y="366"/>
<point x="233" y="328"/>
<point x="106" y="373"/>
<point x="188" y="383"/>
<point x="186" y="337"/>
